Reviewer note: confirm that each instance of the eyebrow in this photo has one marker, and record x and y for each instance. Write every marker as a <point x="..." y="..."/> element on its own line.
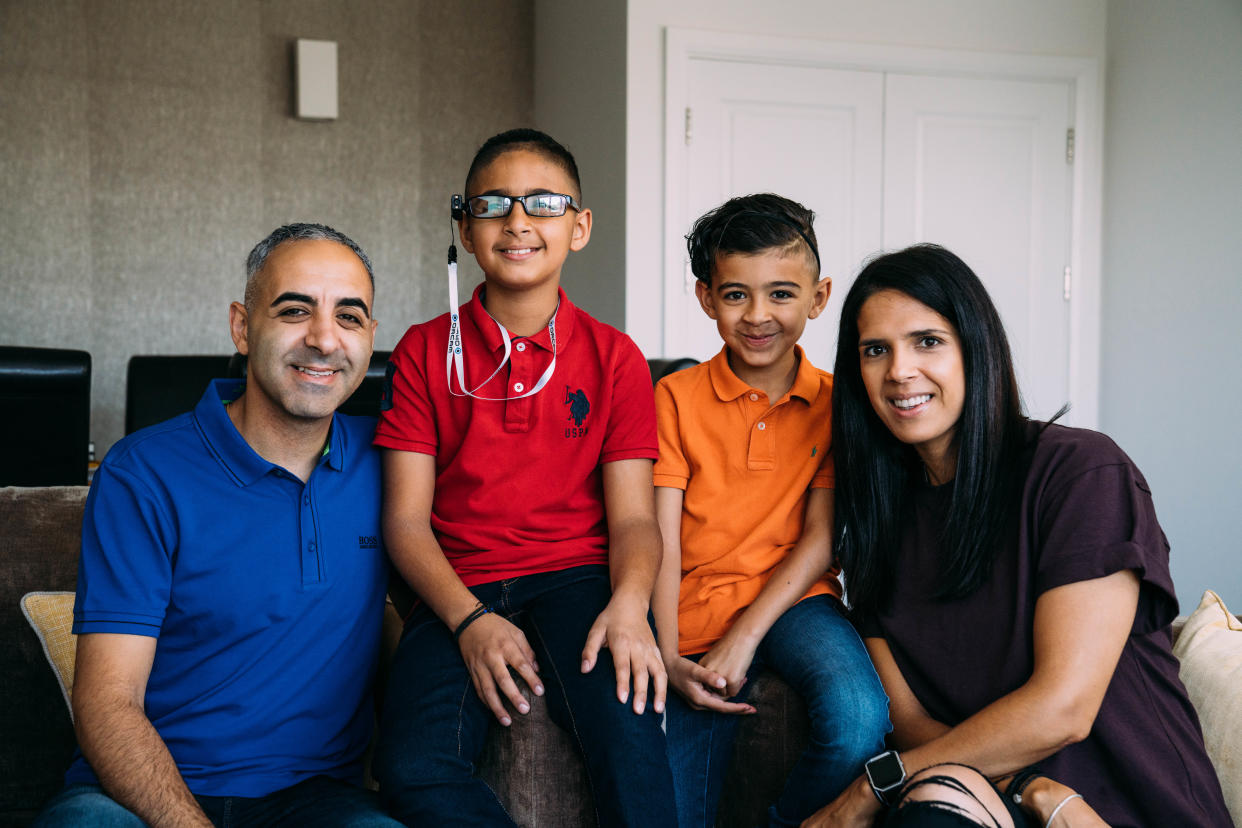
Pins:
<point x="347" y="302"/>
<point x="532" y="191"/>
<point x="863" y="343"/>
<point x="765" y="285"/>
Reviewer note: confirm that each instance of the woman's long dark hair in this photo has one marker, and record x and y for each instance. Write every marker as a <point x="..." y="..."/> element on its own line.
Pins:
<point x="876" y="473"/>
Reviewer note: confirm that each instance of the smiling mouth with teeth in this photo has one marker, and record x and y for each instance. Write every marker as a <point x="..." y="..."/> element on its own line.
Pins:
<point x="911" y="402"/>
<point x="311" y="372"/>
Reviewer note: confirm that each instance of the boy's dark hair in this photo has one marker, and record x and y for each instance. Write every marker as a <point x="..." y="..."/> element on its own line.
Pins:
<point x="530" y="140"/>
<point x="750" y="224"/>
<point x="875" y="473"/>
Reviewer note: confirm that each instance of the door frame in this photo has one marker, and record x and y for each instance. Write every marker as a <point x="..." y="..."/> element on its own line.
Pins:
<point x="682" y="45"/>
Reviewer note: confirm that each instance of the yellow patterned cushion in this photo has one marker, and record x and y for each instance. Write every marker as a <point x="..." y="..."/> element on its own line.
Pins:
<point x="1210" y="649"/>
<point x="51" y="615"/>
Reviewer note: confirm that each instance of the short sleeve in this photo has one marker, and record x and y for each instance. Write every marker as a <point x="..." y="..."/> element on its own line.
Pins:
<point x="125" y="569"/>
<point x="825" y="475"/>
<point x="407" y="421"/>
<point x="1102" y="521"/>
<point x="867" y="625"/>
<point x="672" y="470"/>
<point x="631" y="423"/>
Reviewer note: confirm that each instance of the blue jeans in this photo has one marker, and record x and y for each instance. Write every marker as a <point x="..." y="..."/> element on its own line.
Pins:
<point x="434" y="724"/>
<point x="318" y="802"/>
<point x="815" y="649"/>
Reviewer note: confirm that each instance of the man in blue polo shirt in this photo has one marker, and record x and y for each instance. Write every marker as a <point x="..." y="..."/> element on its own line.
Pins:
<point x="231" y="584"/>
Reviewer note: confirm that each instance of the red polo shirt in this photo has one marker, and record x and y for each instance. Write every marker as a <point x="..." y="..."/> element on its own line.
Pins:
<point x="519" y="488"/>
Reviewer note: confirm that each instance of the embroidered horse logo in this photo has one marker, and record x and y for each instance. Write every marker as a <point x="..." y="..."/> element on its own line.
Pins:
<point x="578" y="404"/>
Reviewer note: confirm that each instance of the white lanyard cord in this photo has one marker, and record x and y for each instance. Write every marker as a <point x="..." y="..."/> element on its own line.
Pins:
<point x="455" y="360"/>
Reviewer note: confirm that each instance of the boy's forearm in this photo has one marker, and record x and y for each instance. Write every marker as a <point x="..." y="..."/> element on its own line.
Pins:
<point x="409" y="492"/>
<point x="666" y="599"/>
<point x="634" y="557"/>
<point x="805" y="564"/>
<point x="421" y="562"/>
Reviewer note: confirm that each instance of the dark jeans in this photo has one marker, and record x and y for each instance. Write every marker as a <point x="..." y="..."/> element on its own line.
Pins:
<point x="434" y="724"/>
<point x="816" y="650"/>
<point x="319" y="802"/>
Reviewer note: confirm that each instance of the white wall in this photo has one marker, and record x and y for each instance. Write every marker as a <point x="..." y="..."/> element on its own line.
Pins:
<point x="1171" y="392"/>
<point x="1047" y="27"/>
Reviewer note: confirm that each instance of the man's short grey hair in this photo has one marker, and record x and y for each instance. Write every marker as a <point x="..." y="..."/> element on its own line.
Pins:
<point x="297" y="232"/>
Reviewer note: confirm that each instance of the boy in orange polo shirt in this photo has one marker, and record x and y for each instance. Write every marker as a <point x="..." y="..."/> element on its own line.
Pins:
<point x="744" y="502"/>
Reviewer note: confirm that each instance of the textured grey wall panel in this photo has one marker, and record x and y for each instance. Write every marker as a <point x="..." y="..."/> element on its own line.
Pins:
<point x="146" y="146"/>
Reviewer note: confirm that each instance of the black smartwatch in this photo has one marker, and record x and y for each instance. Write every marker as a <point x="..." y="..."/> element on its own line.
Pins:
<point x="886" y="775"/>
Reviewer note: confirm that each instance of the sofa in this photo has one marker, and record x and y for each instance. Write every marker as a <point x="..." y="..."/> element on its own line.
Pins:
<point x="532" y="765"/>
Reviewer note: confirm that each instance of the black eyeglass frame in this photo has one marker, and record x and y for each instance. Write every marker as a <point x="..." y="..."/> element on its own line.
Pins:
<point x="570" y="201"/>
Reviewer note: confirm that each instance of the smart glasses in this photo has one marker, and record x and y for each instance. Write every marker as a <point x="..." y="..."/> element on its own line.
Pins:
<point x="536" y="205"/>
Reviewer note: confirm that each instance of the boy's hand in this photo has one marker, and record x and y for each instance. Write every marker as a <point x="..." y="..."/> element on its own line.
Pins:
<point x="622" y="627"/>
<point x="701" y="688"/>
<point x="490" y="646"/>
<point x="730" y="657"/>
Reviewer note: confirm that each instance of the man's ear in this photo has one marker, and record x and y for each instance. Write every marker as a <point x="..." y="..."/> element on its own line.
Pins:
<point x="823" y="289"/>
<point x="707" y="301"/>
<point x="582" y="229"/>
<point x="463" y="230"/>
<point x="238" y="323"/>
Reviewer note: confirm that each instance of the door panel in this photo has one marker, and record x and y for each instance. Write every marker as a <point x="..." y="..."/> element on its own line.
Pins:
<point x="980" y="167"/>
<point x="812" y="135"/>
<point x="885" y="160"/>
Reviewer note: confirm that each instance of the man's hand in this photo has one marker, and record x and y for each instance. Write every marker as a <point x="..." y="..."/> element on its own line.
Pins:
<point x="490" y="646"/>
<point x="622" y="627"/>
<point x="856" y="807"/>
<point x="701" y="688"/>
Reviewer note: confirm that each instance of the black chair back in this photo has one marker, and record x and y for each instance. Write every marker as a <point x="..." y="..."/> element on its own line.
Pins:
<point x="45" y="415"/>
<point x="661" y="368"/>
<point x="158" y="388"/>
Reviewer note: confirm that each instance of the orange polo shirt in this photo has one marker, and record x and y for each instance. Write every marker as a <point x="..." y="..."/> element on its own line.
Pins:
<point x="746" y="467"/>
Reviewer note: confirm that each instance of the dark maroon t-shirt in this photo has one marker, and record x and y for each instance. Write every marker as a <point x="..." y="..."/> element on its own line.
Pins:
<point x="1085" y="512"/>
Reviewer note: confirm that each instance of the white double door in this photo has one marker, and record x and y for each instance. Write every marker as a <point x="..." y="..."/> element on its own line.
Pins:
<point x="887" y="159"/>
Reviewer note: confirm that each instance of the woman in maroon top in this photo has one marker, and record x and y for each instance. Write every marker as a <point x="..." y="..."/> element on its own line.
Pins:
<point x="1010" y="579"/>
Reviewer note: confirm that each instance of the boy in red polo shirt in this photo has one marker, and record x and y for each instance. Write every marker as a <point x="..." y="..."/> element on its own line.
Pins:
<point x="518" y="505"/>
<point x="744" y="498"/>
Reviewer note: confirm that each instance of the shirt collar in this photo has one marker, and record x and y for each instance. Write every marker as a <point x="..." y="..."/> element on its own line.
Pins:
<point x="728" y="386"/>
<point x="487" y="326"/>
<point x="241" y="461"/>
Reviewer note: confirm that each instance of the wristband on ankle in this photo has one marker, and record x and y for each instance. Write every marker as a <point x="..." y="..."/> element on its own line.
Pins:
<point x="475" y="614"/>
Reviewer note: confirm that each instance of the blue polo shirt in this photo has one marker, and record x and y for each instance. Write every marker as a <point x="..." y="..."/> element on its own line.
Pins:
<point x="266" y="595"/>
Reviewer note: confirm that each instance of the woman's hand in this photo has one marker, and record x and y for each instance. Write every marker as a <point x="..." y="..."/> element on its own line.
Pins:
<point x="856" y="807"/>
<point x="1043" y="795"/>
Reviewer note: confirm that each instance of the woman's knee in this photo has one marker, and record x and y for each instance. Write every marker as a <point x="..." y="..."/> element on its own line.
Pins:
<point x="959" y="789"/>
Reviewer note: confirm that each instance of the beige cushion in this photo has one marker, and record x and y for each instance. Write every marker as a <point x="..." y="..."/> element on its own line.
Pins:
<point x="1210" y="649"/>
<point x="51" y="615"/>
